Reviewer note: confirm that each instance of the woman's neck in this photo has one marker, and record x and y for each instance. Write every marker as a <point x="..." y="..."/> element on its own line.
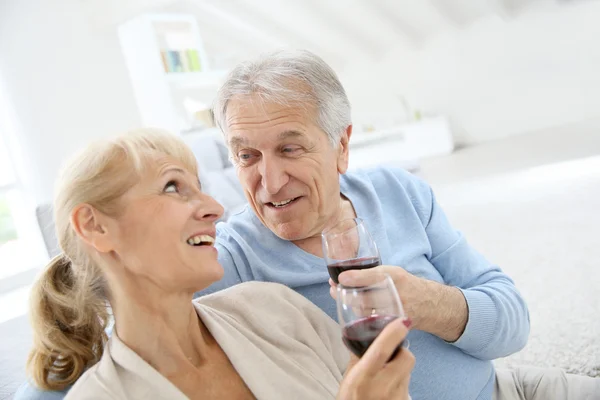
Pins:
<point x="164" y="329"/>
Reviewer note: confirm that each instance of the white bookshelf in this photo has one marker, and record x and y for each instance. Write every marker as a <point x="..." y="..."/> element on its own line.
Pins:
<point x="167" y="63"/>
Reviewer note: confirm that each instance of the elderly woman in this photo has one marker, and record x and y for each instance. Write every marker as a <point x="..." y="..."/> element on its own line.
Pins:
<point x="137" y="234"/>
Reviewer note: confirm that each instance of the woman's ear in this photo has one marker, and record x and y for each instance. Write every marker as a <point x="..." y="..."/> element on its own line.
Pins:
<point x="92" y="227"/>
<point x="343" y="156"/>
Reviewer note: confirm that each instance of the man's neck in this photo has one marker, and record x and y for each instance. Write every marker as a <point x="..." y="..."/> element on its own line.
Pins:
<point x="312" y="244"/>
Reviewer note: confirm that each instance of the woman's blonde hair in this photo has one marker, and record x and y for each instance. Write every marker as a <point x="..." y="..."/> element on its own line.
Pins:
<point x="69" y="305"/>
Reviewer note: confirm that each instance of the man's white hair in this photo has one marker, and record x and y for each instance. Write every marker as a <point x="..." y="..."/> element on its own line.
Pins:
<point x="289" y="77"/>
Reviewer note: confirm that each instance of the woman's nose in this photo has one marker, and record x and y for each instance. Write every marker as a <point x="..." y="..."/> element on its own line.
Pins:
<point x="208" y="208"/>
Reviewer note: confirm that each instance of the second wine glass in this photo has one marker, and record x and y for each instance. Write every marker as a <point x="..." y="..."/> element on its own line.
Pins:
<point x="363" y="312"/>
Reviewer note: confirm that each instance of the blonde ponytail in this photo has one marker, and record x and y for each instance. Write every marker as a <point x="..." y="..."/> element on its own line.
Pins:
<point x="69" y="317"/>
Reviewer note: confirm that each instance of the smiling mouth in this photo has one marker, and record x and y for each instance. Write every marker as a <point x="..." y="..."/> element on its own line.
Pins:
<point x="282" y="204"/>
<point x="201" y="240"/>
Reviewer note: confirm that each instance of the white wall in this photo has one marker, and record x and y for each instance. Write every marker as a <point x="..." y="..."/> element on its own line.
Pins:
<point x="497" y="77"/>
<point x="67" y="82"/>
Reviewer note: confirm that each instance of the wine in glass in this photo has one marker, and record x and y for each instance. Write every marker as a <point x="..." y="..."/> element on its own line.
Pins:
<point x="364" y="311"/>
<point x="349" y="245"/>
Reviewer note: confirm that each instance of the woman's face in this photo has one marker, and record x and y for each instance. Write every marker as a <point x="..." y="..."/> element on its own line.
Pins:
<point x="165" y="235"/>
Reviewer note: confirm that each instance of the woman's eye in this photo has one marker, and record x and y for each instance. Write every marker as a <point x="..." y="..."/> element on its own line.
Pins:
<point x="171" y="187"/>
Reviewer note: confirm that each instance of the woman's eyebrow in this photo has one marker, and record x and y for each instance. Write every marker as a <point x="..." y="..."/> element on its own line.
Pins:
<point x="179" y="171"/>
<point x="168" y="169"/>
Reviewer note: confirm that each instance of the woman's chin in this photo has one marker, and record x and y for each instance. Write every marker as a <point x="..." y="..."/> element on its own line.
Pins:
<point x="219" y="273"/>
<point x="208" y="274"/>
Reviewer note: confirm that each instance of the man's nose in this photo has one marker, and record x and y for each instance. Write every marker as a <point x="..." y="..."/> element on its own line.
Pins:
<point x="273" y="175"/>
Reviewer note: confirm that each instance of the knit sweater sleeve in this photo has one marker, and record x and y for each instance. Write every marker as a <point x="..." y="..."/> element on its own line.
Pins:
<point x="498" y="319"/>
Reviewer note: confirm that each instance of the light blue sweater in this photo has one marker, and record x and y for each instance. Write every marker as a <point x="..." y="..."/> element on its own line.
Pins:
<point x="411" y="231"/>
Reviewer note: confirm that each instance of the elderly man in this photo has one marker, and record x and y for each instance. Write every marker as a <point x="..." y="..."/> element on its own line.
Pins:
<point x="286" y="119"/>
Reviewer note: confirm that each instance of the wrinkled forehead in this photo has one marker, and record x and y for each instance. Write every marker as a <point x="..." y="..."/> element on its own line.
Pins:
<point x="155" y="165"/>
<point x="249" y="118"/>
<point x="253" y="108"/>
<point x="148" y="173"/>
<point x="156" y="170"/>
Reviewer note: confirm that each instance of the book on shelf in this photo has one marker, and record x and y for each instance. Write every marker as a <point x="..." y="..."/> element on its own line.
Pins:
<point x="185" y="61"/>
<point x="165" y="61"/>
<point x="181" y="61"/>
<point x="192" y="55"/>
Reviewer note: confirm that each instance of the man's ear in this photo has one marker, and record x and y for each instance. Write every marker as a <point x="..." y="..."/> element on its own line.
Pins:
<point x="91" y="227"/>
<point x="344" y="150"/>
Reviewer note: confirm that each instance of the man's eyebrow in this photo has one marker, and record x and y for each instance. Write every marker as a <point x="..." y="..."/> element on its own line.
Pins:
<point x="290" y="134"/>
<point x="237" y="141"/>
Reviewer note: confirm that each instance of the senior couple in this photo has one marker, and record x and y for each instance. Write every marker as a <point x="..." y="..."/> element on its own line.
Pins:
<point x="137" y="233"/>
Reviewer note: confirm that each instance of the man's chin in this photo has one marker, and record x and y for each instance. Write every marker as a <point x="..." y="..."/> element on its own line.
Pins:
<point x="288" y="231"/>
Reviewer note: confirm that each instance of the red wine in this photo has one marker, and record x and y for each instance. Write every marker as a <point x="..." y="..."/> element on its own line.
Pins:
<point x="360" y="334"/>
<point x="359" y="263"/>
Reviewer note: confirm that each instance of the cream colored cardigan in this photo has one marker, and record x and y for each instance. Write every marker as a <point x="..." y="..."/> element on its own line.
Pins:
<point x="282" y="345"/>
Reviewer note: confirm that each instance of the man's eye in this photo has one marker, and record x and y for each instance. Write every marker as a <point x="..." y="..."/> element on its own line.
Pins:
<point x="171" y="187"/>
<point x="290" y="150"/>
<point x="245" y="156"/>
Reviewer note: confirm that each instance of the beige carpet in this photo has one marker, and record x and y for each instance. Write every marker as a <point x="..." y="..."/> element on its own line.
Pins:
<point x="542" y="226"/>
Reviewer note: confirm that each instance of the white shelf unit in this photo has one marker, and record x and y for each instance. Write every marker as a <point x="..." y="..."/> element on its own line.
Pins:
<point x="167" y="63"/>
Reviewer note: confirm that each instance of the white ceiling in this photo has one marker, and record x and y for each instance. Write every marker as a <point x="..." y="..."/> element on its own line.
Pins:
<point x="340" y="31"/>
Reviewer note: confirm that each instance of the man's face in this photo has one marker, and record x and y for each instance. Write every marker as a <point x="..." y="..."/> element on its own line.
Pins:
<point x="287" y="166"/>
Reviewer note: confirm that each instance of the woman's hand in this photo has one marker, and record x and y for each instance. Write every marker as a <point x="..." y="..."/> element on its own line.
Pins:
<point x="372" y="377"/>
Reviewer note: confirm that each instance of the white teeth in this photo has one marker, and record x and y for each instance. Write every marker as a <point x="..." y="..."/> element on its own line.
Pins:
<point x="201" y="239"/>
<point x="281" y="203"/>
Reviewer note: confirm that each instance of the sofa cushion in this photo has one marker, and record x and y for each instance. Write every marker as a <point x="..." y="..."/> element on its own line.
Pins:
<point x="45" y="219"/>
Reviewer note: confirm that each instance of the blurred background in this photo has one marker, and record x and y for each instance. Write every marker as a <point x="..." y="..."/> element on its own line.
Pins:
<point x="496" y="103"/>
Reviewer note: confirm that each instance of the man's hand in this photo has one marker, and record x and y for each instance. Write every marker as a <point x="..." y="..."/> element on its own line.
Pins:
<point x="432" y="307"/>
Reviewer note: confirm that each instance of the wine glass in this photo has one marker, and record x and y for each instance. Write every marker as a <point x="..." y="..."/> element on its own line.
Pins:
<point x="364" y="311"/>
<point x="349" y="245"/>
